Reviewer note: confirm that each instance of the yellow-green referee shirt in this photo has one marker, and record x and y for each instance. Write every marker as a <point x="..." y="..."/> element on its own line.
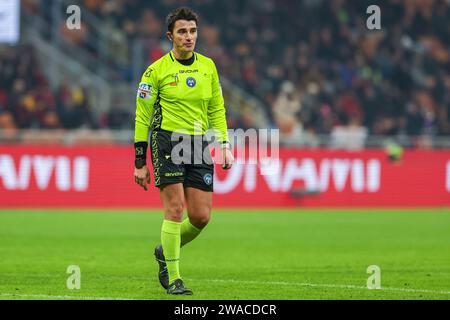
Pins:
<point x="180" y="98"/>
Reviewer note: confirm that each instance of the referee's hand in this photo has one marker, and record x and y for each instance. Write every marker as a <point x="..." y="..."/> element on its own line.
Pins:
<point x="142" y="177"/>
<point x="227" y="159"/>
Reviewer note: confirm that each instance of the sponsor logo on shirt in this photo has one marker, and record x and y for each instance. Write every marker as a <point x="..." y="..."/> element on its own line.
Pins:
<point x="145" y="91"/>
<point x="191" y="82"/>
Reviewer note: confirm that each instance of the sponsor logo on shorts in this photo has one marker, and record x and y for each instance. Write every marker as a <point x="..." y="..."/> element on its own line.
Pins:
<point x="208" y="179"/>
<point x="174" y="174"/>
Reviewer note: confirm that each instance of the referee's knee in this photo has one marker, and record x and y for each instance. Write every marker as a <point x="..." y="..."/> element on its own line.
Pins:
<point x="201" y="219"/>
<point x="174" y="211"/>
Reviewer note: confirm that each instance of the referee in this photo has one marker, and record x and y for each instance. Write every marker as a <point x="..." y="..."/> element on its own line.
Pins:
<point x="178" y="100"/>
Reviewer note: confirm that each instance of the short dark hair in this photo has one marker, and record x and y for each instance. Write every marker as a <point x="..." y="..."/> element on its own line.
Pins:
<point x="182" y="13"/>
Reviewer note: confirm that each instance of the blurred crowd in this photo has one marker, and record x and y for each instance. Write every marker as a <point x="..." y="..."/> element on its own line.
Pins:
<point x="27" y="101"/>
<point x="313" y="63"/>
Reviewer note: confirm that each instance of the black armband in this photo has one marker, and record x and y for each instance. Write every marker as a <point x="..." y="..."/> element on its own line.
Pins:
<point x="140" y="154"/>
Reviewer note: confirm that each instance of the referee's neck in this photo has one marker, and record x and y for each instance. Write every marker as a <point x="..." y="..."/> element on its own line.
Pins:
<point x="182" y="55"/>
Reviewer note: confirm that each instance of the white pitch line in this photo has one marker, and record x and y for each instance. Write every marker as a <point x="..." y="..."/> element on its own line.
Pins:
<point x="301" y="284"/>
<point x="19" y="295"/>
<point x="339" y="286"/>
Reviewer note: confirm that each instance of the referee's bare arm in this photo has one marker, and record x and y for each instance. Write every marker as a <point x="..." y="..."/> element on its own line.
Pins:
<point x="218" y="120"/>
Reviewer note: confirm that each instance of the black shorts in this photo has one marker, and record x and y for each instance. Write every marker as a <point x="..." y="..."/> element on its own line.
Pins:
<point x="185" y="160"/>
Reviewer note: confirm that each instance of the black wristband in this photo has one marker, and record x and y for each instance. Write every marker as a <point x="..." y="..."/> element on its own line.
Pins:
<point x="140" y="150"/>
<point x="139" y="163"/>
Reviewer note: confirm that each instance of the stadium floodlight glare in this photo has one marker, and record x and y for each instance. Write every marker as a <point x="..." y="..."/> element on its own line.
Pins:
<point x="10" y="21"/>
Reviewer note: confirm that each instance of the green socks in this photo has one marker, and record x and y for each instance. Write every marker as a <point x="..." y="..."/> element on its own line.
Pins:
<point x="174" y="235"/>
<point x="188" y="232"/>
<point x="170" y="240"/>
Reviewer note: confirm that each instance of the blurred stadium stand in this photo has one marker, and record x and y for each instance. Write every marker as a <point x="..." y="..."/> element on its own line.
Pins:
<point x="310" y="68"/>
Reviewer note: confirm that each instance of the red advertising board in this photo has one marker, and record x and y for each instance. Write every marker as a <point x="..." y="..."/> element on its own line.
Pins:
<point x="102" y="176"/>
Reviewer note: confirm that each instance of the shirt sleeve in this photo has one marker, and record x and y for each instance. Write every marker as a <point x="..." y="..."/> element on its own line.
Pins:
<point x="216" y="108"/>
<point x="146" y="97"/>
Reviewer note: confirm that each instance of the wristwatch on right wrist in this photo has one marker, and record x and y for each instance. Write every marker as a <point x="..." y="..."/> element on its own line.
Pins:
<point x="225" y="145"/>
<point x="140" y="163"/>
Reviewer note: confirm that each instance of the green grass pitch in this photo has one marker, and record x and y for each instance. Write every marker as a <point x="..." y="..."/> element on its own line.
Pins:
<point x="242" y="254"/>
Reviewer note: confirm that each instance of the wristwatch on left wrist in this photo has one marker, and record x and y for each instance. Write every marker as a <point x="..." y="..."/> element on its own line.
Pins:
<point x="140" y="163"/>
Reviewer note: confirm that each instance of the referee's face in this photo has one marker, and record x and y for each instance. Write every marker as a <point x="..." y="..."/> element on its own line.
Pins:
<point x="184" y="36"/>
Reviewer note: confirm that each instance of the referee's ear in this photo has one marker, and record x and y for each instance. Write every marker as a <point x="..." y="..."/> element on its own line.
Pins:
<point x="169" y="36"/>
